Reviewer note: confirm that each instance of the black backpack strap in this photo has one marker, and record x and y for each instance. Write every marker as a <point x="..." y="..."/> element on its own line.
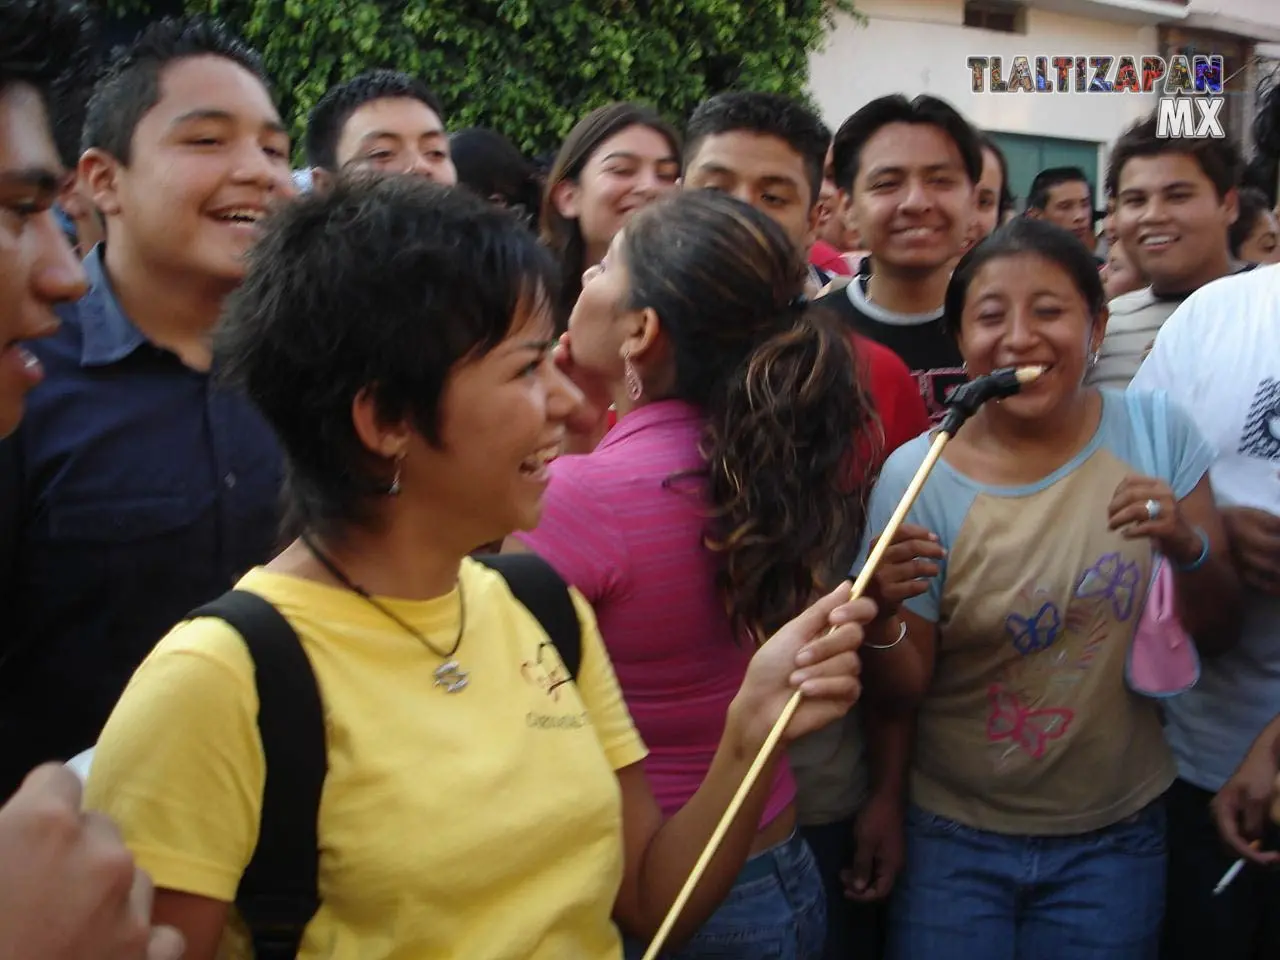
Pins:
<point x="279" y="892"/>
<point x="535" y="583"/>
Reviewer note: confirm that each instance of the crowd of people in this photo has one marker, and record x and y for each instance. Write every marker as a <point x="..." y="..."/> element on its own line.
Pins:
<point x="426" y="546"/>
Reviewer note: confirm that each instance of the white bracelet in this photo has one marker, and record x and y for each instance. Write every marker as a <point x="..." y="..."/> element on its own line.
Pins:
<point x="902" y="635"/>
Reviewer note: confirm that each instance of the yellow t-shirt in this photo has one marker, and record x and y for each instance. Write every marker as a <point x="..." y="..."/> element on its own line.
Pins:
<point x="474" y="825"/>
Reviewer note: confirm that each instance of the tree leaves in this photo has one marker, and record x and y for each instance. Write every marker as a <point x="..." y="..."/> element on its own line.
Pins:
<point x="531" y="68"/>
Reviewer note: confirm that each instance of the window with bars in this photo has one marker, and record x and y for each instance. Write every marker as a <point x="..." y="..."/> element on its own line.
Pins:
<point x="995" y="15"/>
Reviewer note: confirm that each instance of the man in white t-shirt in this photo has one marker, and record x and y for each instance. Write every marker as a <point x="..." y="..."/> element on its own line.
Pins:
<point x="1218" y="356"/>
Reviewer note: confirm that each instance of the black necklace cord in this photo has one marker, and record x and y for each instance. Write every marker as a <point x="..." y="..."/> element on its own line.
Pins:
<point x="337" y="573"/>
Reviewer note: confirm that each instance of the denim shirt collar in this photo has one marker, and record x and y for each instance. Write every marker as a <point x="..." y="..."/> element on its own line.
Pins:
<point x="108" y="335"/>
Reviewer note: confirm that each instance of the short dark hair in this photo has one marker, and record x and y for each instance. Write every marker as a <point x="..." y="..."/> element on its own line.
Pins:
<point x="330" y="115"/>
<point x="1020" y="236"/>
<point x="1253" y="206"/>
<point x="381" y="284"/>
<point x="69" y="98"/>
<point x="130" y="86"/>
<point x="767" y="114"/>
<point x="895" y="108"/>
<point x="1219" y="159"/>
<point x="490" y="165"/>
<point x="38" y="39"/>
<point x="1046" y="180"/>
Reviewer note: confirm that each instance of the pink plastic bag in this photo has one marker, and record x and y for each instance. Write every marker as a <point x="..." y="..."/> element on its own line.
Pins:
<point x="1163" y="661"/>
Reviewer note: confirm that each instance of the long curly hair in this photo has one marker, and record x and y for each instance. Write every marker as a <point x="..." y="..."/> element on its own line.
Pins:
<point x="778" y="381"/>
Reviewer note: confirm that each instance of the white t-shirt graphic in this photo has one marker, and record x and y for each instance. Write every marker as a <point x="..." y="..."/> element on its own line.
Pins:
<point x="1219" y="357"/>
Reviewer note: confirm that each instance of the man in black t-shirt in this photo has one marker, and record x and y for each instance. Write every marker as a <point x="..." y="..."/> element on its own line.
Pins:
<point x="910" y="167"/>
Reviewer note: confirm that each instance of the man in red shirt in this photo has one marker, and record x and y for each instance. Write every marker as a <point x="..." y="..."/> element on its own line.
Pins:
<point x="770" y="151"/>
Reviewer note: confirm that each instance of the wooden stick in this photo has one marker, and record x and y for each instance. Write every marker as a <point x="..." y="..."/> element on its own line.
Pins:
<point x="784" y="719"/>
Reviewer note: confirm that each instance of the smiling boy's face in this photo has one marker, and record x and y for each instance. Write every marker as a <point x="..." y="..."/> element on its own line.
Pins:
<point x="206" y="164"/>
<point x="912" y="197"/>
<point x="1171" y="220"/>
<point x="761" y="170"/>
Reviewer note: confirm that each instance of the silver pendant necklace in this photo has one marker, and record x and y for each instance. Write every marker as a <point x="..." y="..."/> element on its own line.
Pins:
<point x="449" y="674"/>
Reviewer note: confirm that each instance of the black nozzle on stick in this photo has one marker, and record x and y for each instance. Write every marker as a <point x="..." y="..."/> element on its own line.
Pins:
<point x="996" y="385"/>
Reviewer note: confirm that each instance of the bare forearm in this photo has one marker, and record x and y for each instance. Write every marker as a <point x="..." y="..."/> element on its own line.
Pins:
<point x="1269" y="740"/>
<point x="893" y="670"/>
<point x="675" y="848"/>
<point x="890" y="736"/>
<point x="1209" y="604"/>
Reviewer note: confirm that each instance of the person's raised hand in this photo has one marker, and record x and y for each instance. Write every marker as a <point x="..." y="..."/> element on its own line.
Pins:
<point x="816" y="653"/>
<point x="69" y="889"/>
<point x="1146" y="507"/>
<point x="1241" y="807"/>
<point x="908" y="564"/>
<point x="1254" y="536"/>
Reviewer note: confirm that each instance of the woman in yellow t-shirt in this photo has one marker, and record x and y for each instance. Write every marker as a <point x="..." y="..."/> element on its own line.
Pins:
<point x="398" y="338"/>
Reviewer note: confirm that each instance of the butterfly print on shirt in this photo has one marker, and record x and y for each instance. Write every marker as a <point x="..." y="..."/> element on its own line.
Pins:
<point x="1037" y="633"/>
<point x="1031" y="730"/>
<point x="1111" y="578"/>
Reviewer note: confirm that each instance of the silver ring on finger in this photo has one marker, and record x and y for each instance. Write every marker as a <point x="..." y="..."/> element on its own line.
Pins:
<point x="1153" y="509"/>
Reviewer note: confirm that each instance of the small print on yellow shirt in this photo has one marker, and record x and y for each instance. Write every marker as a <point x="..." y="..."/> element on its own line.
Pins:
<point x="479" y="825"/>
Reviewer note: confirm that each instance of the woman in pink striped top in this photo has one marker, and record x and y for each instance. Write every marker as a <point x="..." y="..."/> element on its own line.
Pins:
<point x="713" y="510"/>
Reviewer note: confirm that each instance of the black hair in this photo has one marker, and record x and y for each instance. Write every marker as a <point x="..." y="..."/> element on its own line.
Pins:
<point x="778" y="382"/>
<point x="382" y="284"/>
<point x="1007" y="199"/>
<point x="1264" y="168"/>
<point x="1018" y="237"/>
<point x="767" y="114"/>
<point x="38" y="39"/>
<point x="330" y="115"/>
<point x="130" y="86"/>
<point x="895" y="108"/>
<point x="564" y="236"/>
<point x="1046" y="180"/>
<point x="1253" y="206"/>
<point x="69" y="103"/>
<point x="490" y="165"/>
<point x="1219" y="159"/>
<point x="68" y="45"/>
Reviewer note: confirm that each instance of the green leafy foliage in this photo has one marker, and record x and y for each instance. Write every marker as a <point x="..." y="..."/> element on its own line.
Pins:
<point x="531" y="68"/>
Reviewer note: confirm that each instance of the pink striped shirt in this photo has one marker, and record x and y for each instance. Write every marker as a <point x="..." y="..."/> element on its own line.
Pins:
<point x="624" y="525"/>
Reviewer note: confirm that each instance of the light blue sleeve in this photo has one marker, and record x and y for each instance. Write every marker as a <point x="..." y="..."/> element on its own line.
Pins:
<point x="940" y="508"/>
<point x="1183" y="456"/>
<point x="1190" y="454"/>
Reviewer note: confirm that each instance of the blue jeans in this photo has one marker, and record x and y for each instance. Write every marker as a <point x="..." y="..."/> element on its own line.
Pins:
<point x="968" y="894"/>
<point x="776" y="910"/>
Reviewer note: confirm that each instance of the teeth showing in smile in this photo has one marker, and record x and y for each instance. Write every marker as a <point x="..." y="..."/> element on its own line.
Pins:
<point x="537" y="461"/>
<point x="242" y="216"/>
<point x="1156" y="240"/>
